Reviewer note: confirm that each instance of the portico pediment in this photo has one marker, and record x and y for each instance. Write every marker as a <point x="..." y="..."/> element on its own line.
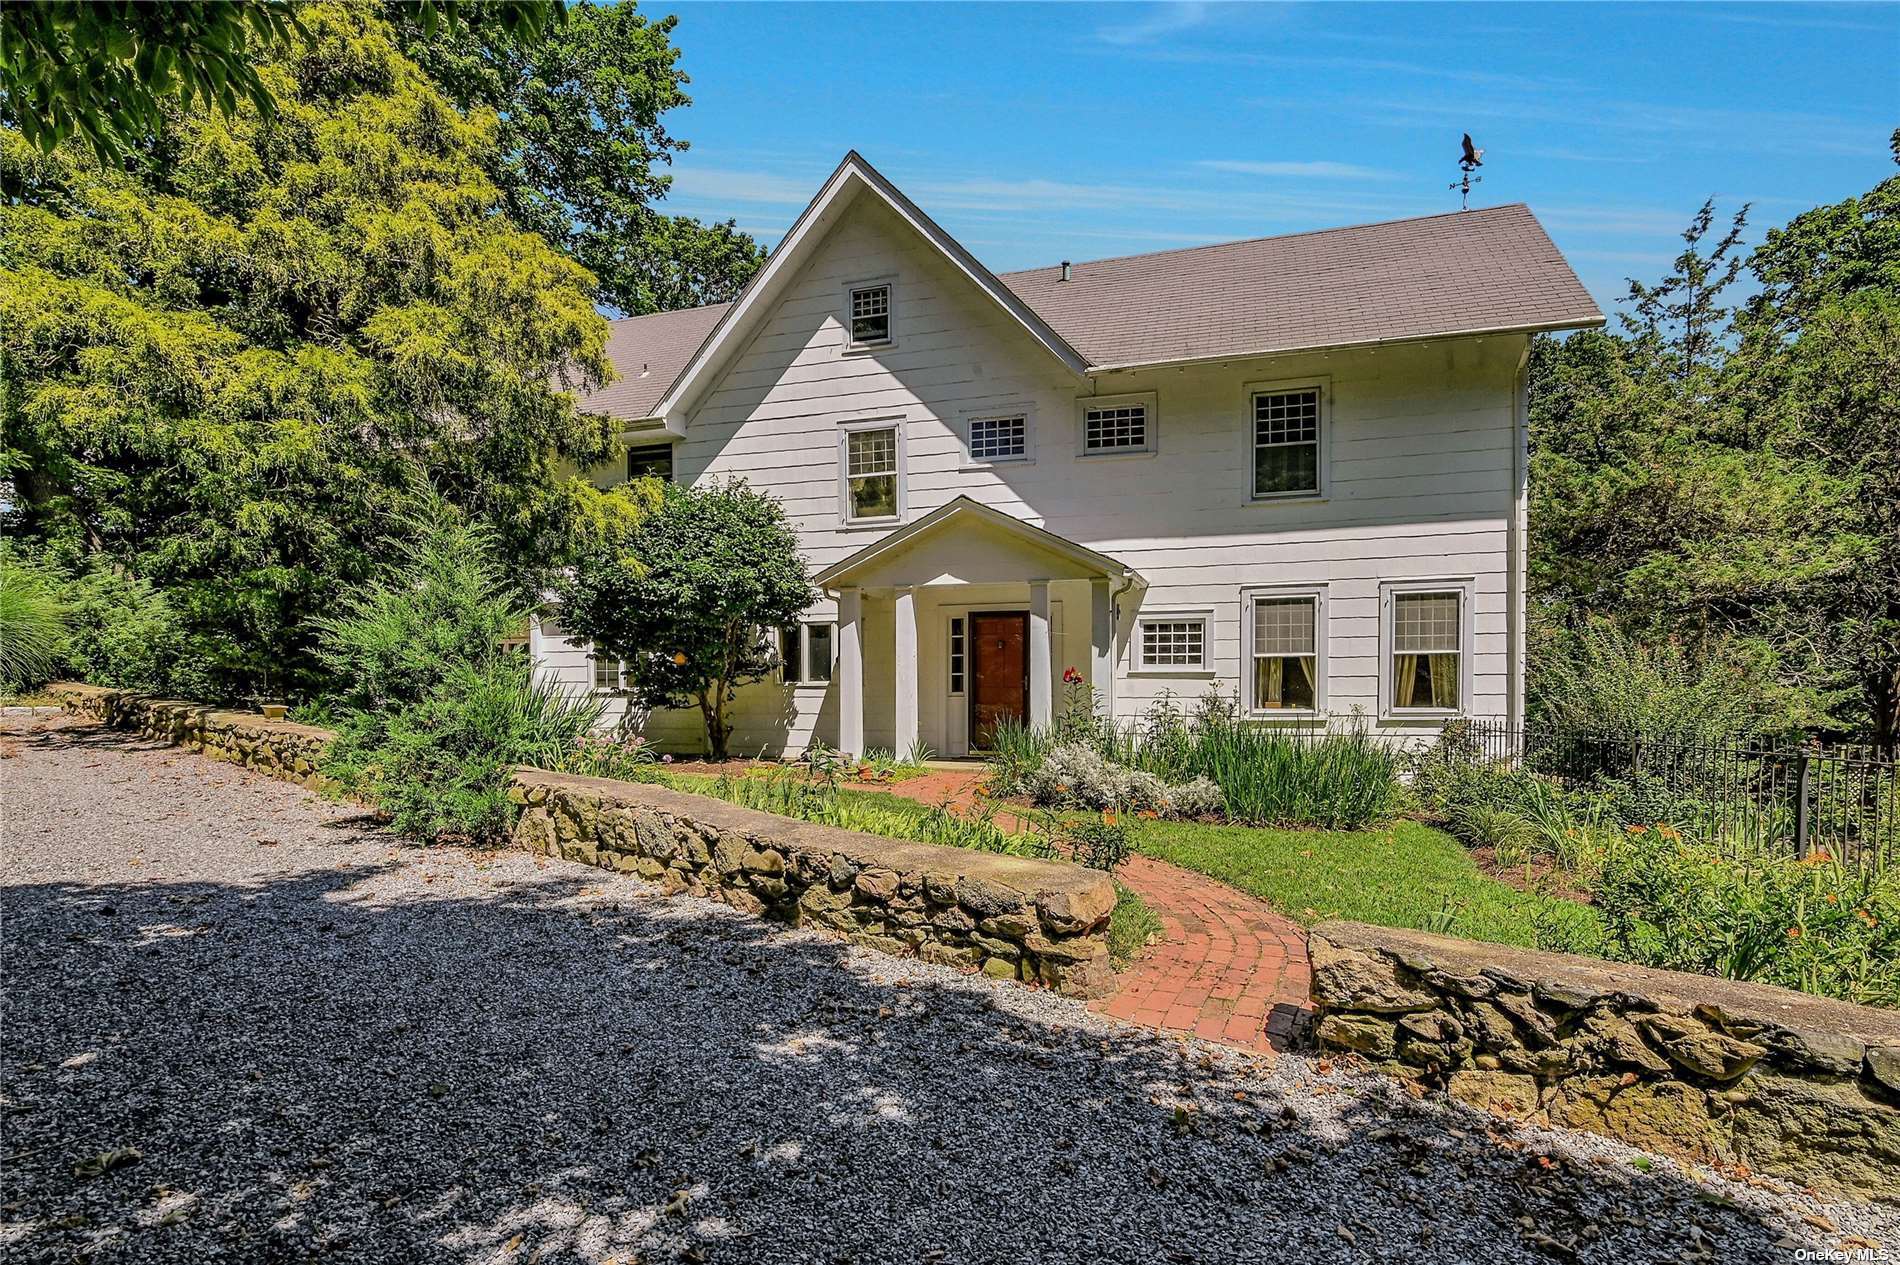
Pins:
<point x="965" y="542"/>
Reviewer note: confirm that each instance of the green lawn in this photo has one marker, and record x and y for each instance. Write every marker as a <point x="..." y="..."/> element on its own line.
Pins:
<point x="1401" y="875"/>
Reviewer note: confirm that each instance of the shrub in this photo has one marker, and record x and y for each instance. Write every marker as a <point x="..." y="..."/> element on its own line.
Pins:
<point x="1343" y="780"/>
<point x="1506" y="833"/>
<point x="1815" y="925"/>
<point x="1079" y="776"/>
<point x="1198" y="799"/>
<point x="1101" y="843"/>
<point x="1599" y="680"/>
<point x="32" y="627"/>
<point x="126" y="632"/>
<point x="682" y="599"/>
<point x="437" y="713"/>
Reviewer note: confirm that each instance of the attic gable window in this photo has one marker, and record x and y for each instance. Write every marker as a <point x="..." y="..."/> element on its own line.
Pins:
<point x="870" y="315"/>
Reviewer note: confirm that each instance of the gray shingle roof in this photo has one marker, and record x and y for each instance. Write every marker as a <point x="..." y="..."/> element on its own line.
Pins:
<point x="1493" y="269"/>
<point x="649" y="352"/>
<point x="1464" y="271"/>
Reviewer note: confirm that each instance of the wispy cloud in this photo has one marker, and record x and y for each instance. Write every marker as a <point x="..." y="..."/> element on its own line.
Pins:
<point x="1302" y="170"/>
<point x="1160" y="21"/>
<point x="726" y="185"/>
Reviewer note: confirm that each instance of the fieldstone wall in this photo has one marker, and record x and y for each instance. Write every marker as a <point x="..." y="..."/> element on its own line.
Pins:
<point x="1710" y="1070"/>
<point x="1014" y="917"/>
<point x="280" y="748"/>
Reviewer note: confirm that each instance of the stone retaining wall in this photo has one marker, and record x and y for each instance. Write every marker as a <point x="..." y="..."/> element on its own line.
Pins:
<point x="1704" y="1069"/>
<point x="1016" y="918"/>
<point x="280" y="748"/>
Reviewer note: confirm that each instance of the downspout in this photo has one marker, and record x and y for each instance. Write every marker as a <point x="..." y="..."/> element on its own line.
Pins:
<point x="1114" y="637"/>
<point x="1516" y="542"/>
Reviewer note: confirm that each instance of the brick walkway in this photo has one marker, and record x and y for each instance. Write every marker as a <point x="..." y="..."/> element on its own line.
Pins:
<point x="1227" y="968"/>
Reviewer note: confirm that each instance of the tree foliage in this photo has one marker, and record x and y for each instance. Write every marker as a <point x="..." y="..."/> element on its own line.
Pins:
<point x="107" y="69"/>
<point x="224" y="370"/>
<point x="1724" y="475"/>
<point x="436" y="712"/>
<point x="686" y="600"/>
<point x="581" y="147"/>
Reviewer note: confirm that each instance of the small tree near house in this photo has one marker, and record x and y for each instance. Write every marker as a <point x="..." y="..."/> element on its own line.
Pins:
<point x="684" y="599"/>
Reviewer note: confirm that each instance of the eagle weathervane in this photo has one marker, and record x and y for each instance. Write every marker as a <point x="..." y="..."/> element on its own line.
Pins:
<point x="1469" y="161"/>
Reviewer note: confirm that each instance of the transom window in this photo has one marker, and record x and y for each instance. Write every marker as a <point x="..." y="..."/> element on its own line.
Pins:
<point x="870" y="464"/>
<point x="1427" y="650"/>
<point x="999" y="438"/>
<point x="958" y="649"/>
<point x="1285" y="654"/>
<point x="1174" y="643"/>
<point x="871" y="315"/>
<point x="650" y="461"/>
<point x="1286" y="442"/>
<point x="1115" y="428"/>
<point x="805" y="653"/>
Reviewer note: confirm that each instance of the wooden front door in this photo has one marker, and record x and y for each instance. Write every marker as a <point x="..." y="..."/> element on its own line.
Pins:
<point x="999" y="678"/>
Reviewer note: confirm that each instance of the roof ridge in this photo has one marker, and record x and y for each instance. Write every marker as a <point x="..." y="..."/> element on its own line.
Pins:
<point x="1272" y="237"/>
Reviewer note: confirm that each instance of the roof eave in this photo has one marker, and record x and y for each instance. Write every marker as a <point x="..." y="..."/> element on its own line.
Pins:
<point x="1490" y="331"/>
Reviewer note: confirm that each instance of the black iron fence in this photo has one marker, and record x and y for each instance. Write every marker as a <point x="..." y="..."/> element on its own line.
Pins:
<point x="1844" y="800"/>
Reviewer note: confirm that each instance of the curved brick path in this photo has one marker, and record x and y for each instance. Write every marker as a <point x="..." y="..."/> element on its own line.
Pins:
<point x="1228" y="968"/>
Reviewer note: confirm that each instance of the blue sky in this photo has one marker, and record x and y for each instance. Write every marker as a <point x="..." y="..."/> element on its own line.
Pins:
<point x="1039" y="132"/>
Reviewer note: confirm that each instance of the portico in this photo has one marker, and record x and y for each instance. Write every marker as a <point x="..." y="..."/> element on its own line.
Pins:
<point x="985" y="612"/>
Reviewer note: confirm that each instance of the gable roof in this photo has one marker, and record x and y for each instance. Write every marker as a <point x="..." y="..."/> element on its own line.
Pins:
<point x="852" y="178"/>
<point x="960" y="508"/>
<point x="1464" y="272"/>
<point x="1488" y="271"/>
<point x="648" y="352"/>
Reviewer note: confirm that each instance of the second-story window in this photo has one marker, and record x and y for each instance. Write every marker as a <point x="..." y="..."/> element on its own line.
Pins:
<point x="1286" y="442"/>
<point x="650" y="461"/>
<point x="870" y="473"/>
<point x="870" y="315"/>
<point x="999" y="438"/>
<point x="1122" y="428"/>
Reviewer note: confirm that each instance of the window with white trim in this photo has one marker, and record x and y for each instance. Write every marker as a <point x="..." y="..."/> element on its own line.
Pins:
<point x="805" y="654"/>
<point x="1286" y="453"/>
<point x="870" y="315"/>
<point x="1284" y="649"/>
<point x="1427" y="641"/>
<point x="959" y="649"/>
<point x="1004" y="438"/>
<point x="1172" y="643"/>
<point x="609" y="674"/>
<point x="870" y="473"/>
<point x="1115" y="428"/>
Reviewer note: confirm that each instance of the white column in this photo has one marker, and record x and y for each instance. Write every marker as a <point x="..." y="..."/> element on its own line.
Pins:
<point x="905" y="706"/>
<point x="850" y="672"/>
<point x="1102" y="645"/>
<point x="1041" y="687"/>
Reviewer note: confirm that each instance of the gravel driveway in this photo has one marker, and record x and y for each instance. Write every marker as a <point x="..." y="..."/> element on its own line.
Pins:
<point x="241" y="1024"/>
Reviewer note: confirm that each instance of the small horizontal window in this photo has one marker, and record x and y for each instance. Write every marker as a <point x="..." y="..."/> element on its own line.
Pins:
<point x="650" y="461"/>
<point x="1173" y="643"/>
<point x="1120" y="428"/>
<point x="871" y="315"/>
<point x="999" y="438"/>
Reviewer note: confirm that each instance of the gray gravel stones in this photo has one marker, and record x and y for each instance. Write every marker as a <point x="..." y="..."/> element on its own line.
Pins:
<point x="325" y="1044"/>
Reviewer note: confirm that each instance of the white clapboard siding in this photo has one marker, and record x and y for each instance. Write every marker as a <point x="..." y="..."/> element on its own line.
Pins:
<point x="1420" y="471"/>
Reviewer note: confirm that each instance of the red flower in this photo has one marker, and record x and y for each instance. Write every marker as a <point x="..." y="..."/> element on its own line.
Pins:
<point x="1071" y="677"/>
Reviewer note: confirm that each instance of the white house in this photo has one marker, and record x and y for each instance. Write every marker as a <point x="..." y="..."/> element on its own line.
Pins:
<point x="1291" y="469"/>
